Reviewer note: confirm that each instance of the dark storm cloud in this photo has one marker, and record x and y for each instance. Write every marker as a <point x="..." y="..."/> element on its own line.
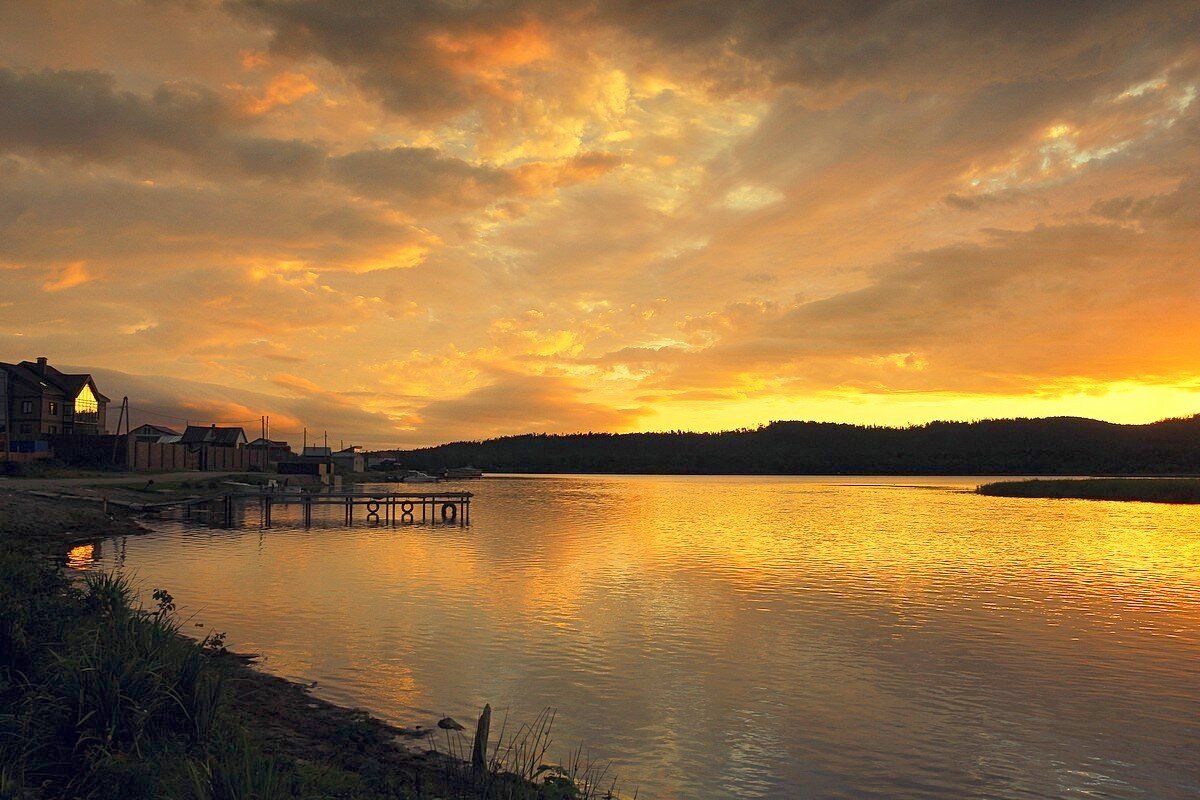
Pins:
<point x="907" y="45"/>
<point x="420" y="173"/>
<point x="394" y="48"/>
<point x="51" y="213"/>
<point x="419" y="57"/>
<point x="1182" y="205"/>
<point x="82" y="114"/>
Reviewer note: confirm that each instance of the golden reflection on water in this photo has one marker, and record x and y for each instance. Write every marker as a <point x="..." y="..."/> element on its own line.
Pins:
<point x="727" y="637"/>
<point x="82" y="556"/>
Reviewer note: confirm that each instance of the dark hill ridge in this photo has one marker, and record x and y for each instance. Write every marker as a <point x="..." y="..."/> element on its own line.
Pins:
<point x="1049" y="446"/>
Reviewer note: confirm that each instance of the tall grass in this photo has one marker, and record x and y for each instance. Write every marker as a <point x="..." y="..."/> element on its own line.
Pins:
<point x="101" y="699"/>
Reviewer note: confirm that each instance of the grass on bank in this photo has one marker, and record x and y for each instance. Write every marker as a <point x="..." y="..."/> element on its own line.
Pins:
<point x="1151" y="490"/>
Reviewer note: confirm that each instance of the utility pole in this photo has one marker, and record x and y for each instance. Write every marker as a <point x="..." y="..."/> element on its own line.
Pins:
<point x="305" y="447"/>
<point x="122" y="417"/>
<point x="7" y="418"/>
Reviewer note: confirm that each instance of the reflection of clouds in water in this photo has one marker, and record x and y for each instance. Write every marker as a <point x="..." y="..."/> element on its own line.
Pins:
<point x="736" y="637"/>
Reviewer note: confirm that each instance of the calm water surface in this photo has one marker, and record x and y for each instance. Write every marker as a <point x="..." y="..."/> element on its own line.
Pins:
<point x="725" y="637"/>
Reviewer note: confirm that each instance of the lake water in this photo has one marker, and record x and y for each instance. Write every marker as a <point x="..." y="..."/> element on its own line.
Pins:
<point x="729" y="637"/>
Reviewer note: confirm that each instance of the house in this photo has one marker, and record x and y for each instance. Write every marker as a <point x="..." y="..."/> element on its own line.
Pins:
<point x="381" y="462"/>
<point x="349" y="459"/>
<point x="316" y="452"/>
<point x="197" y="436"/>
<point x="276" y="450"/>
<point x="382" y="459"/>
<point x="40" y="401"/>
<point x="153" y="433"/>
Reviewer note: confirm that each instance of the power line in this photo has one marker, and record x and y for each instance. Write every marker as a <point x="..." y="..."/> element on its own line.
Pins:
<point x="189" y="419"/>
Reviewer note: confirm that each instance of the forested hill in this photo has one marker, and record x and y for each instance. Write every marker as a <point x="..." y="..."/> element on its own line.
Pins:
<point x="1052" y="446"/>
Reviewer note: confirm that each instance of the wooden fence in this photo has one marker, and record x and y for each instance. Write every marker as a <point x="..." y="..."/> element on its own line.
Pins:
<point x="80" y="450"/>
<point x="151" y="456"/>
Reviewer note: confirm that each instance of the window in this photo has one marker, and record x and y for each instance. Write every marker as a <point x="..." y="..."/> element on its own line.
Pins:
<point x="53" y="409"/>
<point x="53" y="430"/>
<point x="26" y="408"/>
<point x="87" y="408"/>
<point x="26" y="427"/>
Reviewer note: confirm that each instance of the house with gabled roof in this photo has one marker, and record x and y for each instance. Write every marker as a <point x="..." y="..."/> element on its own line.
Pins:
<point x="40" y="401"/>
<point x="274" y="450"/>
<point x="195" y="436"/>
<point x="154" y="433"/>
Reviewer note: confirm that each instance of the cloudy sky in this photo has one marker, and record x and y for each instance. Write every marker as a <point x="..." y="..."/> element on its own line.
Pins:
<point x="411" y="222"/>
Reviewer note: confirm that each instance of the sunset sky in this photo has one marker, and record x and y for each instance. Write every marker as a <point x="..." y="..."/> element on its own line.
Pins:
<point x="413" y="222"/>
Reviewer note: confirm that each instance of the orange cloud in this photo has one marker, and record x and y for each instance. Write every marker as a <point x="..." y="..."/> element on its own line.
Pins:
<point x="490" y="52"/>
<point x="73" y="274"/>
<point x="541" y="176"/>
<point x="282" y="90"/>
<point x="306" y="388"/>
<point x="253" y="59"/>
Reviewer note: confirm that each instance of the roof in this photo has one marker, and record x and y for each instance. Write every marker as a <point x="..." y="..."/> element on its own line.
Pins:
<point x="159" y="429"/>
<point x="222" y="437"/>
<point x="22" y="374"/>
<point x="69" y="384"/>
<point x="319" y="452"/>
<point x="261" y="442"/>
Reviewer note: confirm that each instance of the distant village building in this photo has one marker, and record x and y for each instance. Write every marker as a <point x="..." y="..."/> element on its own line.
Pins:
<point x="215" y="448"/>
<point x="38" y="401"/>
<point x="376" y="461"/>
<point x="349" y="459"/>
<point x="316" y="452"/>
<point x="275" y="450"/>
<point x="155" y="434"/>
<point x="195" y="436"/>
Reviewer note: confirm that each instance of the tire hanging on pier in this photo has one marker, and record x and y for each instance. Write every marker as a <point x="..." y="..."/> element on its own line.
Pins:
<point x="449" y="512"/>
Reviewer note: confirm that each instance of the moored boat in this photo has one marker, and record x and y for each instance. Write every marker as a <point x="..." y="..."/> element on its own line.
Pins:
<point x="462" y="472"/>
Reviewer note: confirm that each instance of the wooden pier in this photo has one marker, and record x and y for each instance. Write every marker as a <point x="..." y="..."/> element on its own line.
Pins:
<point x="376" y="508"/>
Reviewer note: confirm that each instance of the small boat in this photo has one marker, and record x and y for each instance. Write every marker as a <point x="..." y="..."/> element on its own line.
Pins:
<point x="463" y="472"/>
<point x="420" y="477"/>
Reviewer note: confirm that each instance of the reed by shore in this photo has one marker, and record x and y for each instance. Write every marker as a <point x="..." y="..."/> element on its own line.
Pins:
<point x="1151" y="490"/>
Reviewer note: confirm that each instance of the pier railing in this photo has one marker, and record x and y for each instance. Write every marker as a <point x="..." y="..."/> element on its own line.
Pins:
<point x="383" y="508"/>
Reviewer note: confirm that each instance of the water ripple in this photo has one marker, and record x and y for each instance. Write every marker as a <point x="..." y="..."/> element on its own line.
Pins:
<point x="747" y="637"/>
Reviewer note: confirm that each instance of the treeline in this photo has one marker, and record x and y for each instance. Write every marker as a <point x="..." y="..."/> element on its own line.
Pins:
<point x="1051" y="446"/>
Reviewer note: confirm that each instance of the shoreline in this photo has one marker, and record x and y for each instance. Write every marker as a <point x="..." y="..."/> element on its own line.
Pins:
<point x="323" y="748"/>
<point x="1172" y="490"/>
